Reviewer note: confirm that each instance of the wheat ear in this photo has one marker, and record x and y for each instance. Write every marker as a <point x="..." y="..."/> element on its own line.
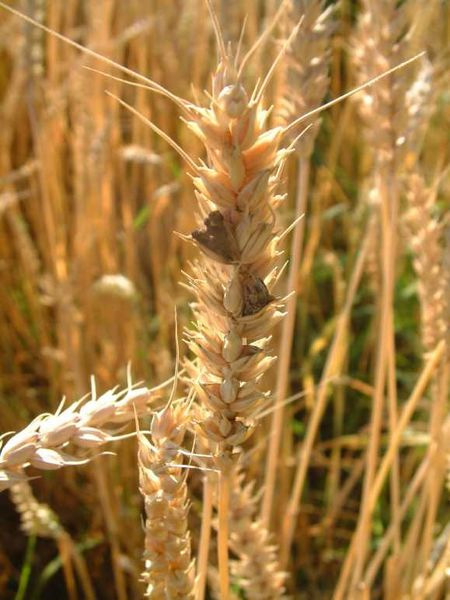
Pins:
<point x="257" y="570"/>
<point x="169" y="570"/>
<point x="38" y="519"/>
<point x="86" y="425"/>
<point x="425" y="238"/>
<point x="234" y="309"/>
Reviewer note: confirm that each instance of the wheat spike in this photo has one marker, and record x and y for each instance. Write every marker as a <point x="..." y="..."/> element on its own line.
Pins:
<point x="86" y="425"/>
<point x="36" y="518"/>
<point x="234" y="308"/>
<point x="257" y="570"/>
<point x="425" y="238"/>
<point x="169" y="570"/>
<point x="401" y="104"/>
<point x="307" y="65"/>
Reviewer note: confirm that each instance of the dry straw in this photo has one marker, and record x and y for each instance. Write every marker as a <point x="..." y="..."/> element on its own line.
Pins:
<point x="306" y="83"/>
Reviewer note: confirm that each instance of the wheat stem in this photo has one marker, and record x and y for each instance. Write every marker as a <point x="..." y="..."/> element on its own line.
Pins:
<point x="205" y="537"/>
<point x="284" y="353"/>
<point x="332" y="367"/>
<point x="223" y="534"/>
<point x="386" y="462"/>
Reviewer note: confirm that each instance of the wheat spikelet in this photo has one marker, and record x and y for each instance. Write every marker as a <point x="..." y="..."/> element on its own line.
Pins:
<point x="307" y="65"/>
<point x="169" y="571"/>
<point x="36" y="517"/>
<point x="401" y="104"/>
<point x="257" y="571"/>
<point x="425" y="237"/>
<point x="42" y="443"/>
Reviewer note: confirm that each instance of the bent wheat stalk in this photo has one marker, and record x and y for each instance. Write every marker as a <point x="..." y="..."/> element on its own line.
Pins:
<point x="89" y="425"/>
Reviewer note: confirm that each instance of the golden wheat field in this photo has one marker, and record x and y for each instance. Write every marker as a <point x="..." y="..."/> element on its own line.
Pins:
<point x="224" y="299"/>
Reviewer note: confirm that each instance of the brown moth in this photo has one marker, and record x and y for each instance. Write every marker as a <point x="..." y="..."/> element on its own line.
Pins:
<point x="217" y="239"/>
<point x="256" y="295"/>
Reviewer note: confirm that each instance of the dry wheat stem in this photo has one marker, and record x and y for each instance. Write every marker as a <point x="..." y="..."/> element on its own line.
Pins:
<point x="205" y="535"/>
<point x="285" y="347"/>
<point x="436" y="475"/>
<point x="385" y="350"/>
<point x="332" y="367"/>
<point x="305" y="86"/>
<point x="386" y="462"/>
<point x="377" y="560"/>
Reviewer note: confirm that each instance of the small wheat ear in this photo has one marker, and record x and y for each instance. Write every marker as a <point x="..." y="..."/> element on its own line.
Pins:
<point x="355" y="90"/>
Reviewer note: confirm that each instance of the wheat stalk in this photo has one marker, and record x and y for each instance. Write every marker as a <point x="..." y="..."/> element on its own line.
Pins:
<point x="306" y="83"/>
